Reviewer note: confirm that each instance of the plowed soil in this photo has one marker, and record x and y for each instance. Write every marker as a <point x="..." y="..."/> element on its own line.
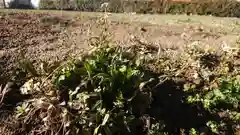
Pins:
<point x="21" y="31"/>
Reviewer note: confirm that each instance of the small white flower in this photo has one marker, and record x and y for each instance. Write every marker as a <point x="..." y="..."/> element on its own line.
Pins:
<point x="27" y="87"/>
<point x="104" y="5"/>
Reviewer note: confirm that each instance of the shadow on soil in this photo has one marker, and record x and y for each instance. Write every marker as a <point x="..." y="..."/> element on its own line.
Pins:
<point x="169" y="104"/>
<point x="13" y="96"/>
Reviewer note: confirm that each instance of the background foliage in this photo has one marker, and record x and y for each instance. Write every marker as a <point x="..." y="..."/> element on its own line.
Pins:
<point x="222" y="8"/>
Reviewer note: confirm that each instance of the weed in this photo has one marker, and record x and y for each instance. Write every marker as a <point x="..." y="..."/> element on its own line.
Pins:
<point x="107" y="79"/>
<point x="220" y="100"/>
<point x="193" y="132"/>
<point x="21" y="110"/>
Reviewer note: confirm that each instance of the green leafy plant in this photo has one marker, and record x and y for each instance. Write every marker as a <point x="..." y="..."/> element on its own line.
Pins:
<point x="213" y="126"/>
<point x="223" y="100"/>
<point x="226" y="94"/>
<point x="22" y="110"/>
<point x="156" y="129"/>
<point x="102" y="87"/>
<point x="193" y="131"/>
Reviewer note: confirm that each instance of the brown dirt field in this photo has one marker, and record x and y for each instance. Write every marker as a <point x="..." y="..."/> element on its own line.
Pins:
<point x="54" y="35"/>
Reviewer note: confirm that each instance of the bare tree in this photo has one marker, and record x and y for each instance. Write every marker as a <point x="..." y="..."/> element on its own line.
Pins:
<point x="4" y="4"/>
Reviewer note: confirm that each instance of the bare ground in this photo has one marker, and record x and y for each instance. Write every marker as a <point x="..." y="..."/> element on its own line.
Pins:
<point x="55" y="35"/>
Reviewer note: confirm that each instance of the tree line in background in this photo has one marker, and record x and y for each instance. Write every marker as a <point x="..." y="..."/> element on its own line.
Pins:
<point x="223" y="8"/>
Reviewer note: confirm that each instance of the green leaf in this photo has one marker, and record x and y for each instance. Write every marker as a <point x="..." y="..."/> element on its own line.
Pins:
<point x="131" y="72"/>
<point x="193" y="131"/>
<point x="68" y="74"/>
<point x="123" y="69"/>
<point x="98" y="103"/>
<point x="61" y="78"/>
<point x="96" y="130"/>
<point x="88" y="68"/>
<point x="102" y="111"/>
<point x="130" y="118"/>
<point x="106" y="117"/>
